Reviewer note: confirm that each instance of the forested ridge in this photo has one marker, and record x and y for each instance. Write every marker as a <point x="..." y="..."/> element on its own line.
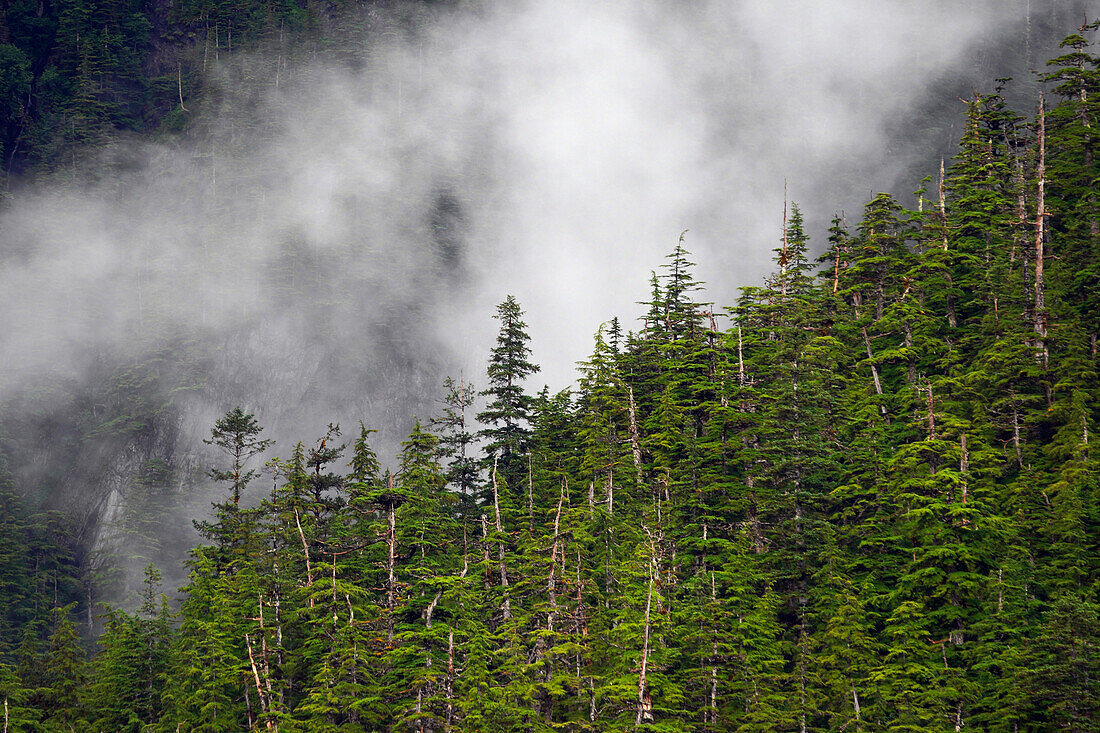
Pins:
<point x="862" y="498"/>
<point x="77" y="74"/>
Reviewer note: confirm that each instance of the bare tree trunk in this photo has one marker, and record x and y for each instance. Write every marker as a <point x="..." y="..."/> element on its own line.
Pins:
<point x="551" y="616"/>
<point x="611" y="487"/>
<point x="1085" y="433"/>
<point x="430" y="610"/>
<point x="179" y="83"/>
<point x="551" y="583"/>
<point x="1021" y="212"/>
<point x="507" y="608"/>
<point x="645" y="706"/>
<point x="712" y="715"/>
<point x="802" y="680"/>
<point x="952" y="319"/>
<point x="264" y="655"/>
<point x="335" y="618"/>
<point x="836" y="271"/>
<point x="259" y="687"/>
<point x="449" y="682"/>
<point x="305" y="551"/>
<point x="530" y="497"/>
<point x="1083" y="116"/>
<point x="276" y="595"/>
<point x="880" y="297"/>
<point x="931" y="414"/>
<point x="449" y="704"/>
<point x="90" y="615"/>
<point x="485" y="549"/>
<point x="783" y="251"/>
<point x="391" y="566"/>
<point x="874" y="372"/>
<point x="964" y="465"/>
<point x="1040" y="316"/>
<point x="943" y="206"/>
<point x="740" y="358"/>
<point x="1016" y="432"/>
<point x="635" y="436"/>
<point x="911" y="373"/>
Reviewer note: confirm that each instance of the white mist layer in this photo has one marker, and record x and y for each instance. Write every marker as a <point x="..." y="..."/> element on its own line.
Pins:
<point x="570" y="141"/>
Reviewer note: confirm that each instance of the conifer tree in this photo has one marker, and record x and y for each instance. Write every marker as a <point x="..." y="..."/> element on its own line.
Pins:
<point x="456" y="441"/>
<point x="63" y="674"/>
<point x="426" y="537"/>
<point x="14" y="699"/>
<point x="127" y="673"/>
<point x="237" y="435"/>
<point x="343" y="687"/>
<point x="1061" y="684"/>
<point x="846" y="651"/>
<point x="17" y="606"/>
<point x="508" y="410"/>
<point x="1072" y="170"/>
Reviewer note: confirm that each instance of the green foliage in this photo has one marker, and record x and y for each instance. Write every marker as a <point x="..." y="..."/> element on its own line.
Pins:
<point x="1063" y="682"/>
<point x="508" y="409"/>
<point x="868" y="504"/>
<point x="127" y="674"/>
<point x="78" y="74"/>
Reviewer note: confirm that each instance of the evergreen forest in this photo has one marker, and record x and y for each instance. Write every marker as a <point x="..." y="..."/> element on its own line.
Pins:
<point x="860" y="498"/>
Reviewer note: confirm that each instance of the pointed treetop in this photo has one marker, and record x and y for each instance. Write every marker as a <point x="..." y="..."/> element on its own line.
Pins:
<point x="365" y="467"/>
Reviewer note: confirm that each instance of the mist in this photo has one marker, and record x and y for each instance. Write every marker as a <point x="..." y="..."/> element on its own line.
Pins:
<point x="330" y="237"/>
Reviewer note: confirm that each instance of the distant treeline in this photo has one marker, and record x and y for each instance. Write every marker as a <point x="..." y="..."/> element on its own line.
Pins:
<point x="77" y="74"/>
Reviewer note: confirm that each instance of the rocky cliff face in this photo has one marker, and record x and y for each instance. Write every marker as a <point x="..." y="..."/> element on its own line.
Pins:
<point x="121" y="454"/>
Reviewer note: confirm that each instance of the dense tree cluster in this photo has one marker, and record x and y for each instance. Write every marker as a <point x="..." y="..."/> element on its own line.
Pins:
<point x="75" y="74"/>
<point x="868" y="503"/>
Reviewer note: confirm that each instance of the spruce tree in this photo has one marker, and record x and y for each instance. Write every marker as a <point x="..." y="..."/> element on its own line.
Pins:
<point x="236" y="434"/>
<point x="456" y="441"/>
<point x="508" y="410"/>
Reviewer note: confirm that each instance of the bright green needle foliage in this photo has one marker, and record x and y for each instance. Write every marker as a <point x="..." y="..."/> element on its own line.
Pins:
<point x="862" y="501"/>
<point x="126" y="676"/>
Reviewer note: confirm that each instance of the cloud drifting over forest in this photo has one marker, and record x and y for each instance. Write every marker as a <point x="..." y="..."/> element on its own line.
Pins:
<point x="340" y="227"/>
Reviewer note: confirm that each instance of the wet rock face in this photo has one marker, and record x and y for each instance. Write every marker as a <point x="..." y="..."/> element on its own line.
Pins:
<point x="97" y="455"/>
<point x="121" y="455"/>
